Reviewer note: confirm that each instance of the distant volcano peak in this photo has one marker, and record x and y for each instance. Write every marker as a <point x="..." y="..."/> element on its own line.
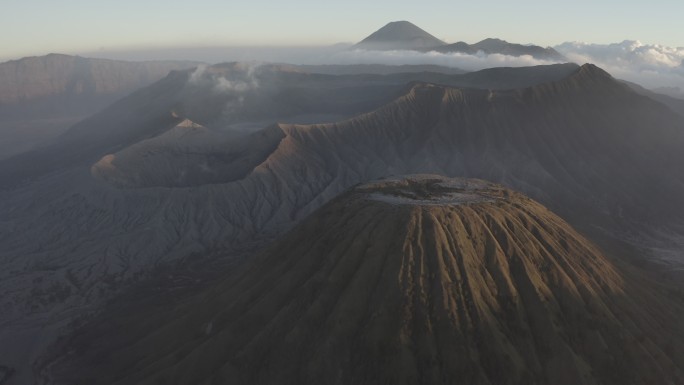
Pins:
<point x="399" y="35"/>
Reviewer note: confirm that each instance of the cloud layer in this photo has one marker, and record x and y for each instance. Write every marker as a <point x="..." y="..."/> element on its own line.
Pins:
<point x="653" y="66"/>
<point x="454" y="59"/>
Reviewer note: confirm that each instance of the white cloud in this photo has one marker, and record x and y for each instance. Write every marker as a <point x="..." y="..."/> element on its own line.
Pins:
<point x="650" y="65"/>
<point x="454" y="59"/>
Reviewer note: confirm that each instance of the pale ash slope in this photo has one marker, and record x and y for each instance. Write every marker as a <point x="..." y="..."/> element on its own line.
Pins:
<point x="422" y="280"/>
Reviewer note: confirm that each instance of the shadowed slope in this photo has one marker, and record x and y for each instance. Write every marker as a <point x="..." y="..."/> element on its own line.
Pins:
<point x="422" y="280"/>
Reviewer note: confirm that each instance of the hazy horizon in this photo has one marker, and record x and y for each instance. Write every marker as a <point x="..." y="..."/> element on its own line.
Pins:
<point x="41" y="27"/>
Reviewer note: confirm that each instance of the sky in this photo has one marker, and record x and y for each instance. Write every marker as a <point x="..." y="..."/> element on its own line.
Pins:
<point x="37" y="27"/>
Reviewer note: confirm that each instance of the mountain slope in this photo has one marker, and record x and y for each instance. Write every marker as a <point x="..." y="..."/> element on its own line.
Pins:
<point x="399" y="35"/>
<point x="604" y="157"/>
<point x="422" y="280"/>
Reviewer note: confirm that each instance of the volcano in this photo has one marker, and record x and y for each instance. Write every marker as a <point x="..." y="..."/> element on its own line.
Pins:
<point x="406" y="280"/>
<point x="399" y="35"/>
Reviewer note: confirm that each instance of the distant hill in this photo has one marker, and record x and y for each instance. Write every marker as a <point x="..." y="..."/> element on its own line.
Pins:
<point x="53" y="75"/>
<point x="498" y="46"/>
<point x="399" y="35"/>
